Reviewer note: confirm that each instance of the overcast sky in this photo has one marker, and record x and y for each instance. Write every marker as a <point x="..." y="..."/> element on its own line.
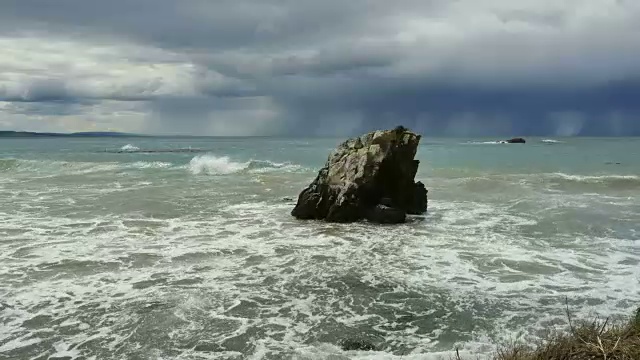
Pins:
<point x="321" y="67"/>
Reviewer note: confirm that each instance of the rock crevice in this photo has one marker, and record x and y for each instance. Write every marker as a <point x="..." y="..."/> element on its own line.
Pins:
<point x="371" y="176"/>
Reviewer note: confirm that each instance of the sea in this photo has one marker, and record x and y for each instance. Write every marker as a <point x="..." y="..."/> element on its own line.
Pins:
<point x="184" y="248"/>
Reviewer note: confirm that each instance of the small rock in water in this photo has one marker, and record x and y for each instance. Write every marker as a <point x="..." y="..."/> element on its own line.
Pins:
<point x="516" y="141"/>
<point x="358" y="345"/>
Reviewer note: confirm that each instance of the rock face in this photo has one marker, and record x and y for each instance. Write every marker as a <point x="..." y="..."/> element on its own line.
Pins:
<point x="368" y="177"/>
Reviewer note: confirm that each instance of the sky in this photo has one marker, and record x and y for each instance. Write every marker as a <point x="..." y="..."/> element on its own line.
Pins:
<point x="321" y="68"/>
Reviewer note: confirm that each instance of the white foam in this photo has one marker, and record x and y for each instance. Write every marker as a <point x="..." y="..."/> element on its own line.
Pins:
<point x="129" y="148"/>
<point x="63" y="351"/>
<point x="411" y="257"/>
<point x="19" y="343"/>
<point x="596" y="178"/>
<point x="223" y="165"/>
<point x="486" y="142"/>
<point x="551" y="141"/>
<point x="49" y="169"/>
<point x="150" y="165"/>
<point x="455" y="260"/>
<point x="214" y="165"/>
<point x="325" y="351"/>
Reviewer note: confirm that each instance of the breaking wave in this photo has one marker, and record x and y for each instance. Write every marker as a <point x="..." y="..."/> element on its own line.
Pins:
<point x="201" y="164"/>
<point x="497" y="142"/>
<point x="129" y="148"/>
<point x="223" y="165"/>
<point x="551" y="141"/>
<point x="599" y="179"/>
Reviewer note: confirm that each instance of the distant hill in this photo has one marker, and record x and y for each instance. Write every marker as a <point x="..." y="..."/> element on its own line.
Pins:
<point x="28" y="134"/>
<point x="98" y="133"/>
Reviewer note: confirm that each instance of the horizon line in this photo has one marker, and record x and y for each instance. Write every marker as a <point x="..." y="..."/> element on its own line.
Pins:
<point x="115" y="134"/>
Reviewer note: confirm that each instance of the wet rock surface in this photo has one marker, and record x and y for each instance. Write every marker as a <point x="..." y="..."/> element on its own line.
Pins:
<point x="367" y="177"/>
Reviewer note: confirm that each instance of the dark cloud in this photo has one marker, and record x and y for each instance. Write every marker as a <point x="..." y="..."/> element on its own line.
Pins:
<point x="47" y="90"/>
<point x="465" y="68"/>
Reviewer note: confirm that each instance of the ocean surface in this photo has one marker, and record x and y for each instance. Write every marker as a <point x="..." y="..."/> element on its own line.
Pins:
<point x="184" y="248"/>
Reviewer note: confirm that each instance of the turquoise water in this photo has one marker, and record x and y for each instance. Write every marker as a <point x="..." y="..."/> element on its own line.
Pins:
<point x="109" y="251"/>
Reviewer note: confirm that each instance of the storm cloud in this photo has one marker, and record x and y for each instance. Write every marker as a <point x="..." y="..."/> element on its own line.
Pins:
<point x="297" y="67"/>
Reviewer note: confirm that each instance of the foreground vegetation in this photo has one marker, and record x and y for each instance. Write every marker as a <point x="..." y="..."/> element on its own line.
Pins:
<point x="584" y="341"/>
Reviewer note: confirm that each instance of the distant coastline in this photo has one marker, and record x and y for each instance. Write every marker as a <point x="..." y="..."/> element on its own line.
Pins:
<point x="30" y="134"/>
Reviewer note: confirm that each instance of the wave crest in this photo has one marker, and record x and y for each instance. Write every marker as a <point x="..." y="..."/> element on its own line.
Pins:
<point x="495" y="142"/>
<point x="129" y="148"/>
<point x="599" y="179"/>
<point x="223" y="165"/>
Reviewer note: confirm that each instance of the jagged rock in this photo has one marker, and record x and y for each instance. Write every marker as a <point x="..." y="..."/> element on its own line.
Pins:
<point x="419" y="201"/>
<point x="516" y="141"/>
<point x="386" y="215"/>
<point x="374" y="169"/>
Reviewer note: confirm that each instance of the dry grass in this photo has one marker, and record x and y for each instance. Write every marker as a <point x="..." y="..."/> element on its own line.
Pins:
<point x="599" y="340"/>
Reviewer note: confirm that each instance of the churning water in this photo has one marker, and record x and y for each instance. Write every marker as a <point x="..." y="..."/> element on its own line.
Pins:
<point x="146" y="248"/>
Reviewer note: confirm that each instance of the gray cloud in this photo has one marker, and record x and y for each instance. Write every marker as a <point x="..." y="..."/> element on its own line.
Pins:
<point x="464" y="68"/>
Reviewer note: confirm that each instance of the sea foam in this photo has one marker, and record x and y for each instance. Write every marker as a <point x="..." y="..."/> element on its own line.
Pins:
<point x="49" y="168"/>
<point x="223" y="165"/>
<point x="129" y="148"/>
<point x="597" y="179"/>
<point x="497" y="142"/>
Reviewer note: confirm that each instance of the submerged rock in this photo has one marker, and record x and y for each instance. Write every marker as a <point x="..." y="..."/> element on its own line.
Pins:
<point x="357" y="344"/>
<point x="371" y="176"/>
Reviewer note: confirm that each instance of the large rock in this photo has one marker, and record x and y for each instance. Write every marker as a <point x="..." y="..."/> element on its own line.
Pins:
<point x="371" y="176"/>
